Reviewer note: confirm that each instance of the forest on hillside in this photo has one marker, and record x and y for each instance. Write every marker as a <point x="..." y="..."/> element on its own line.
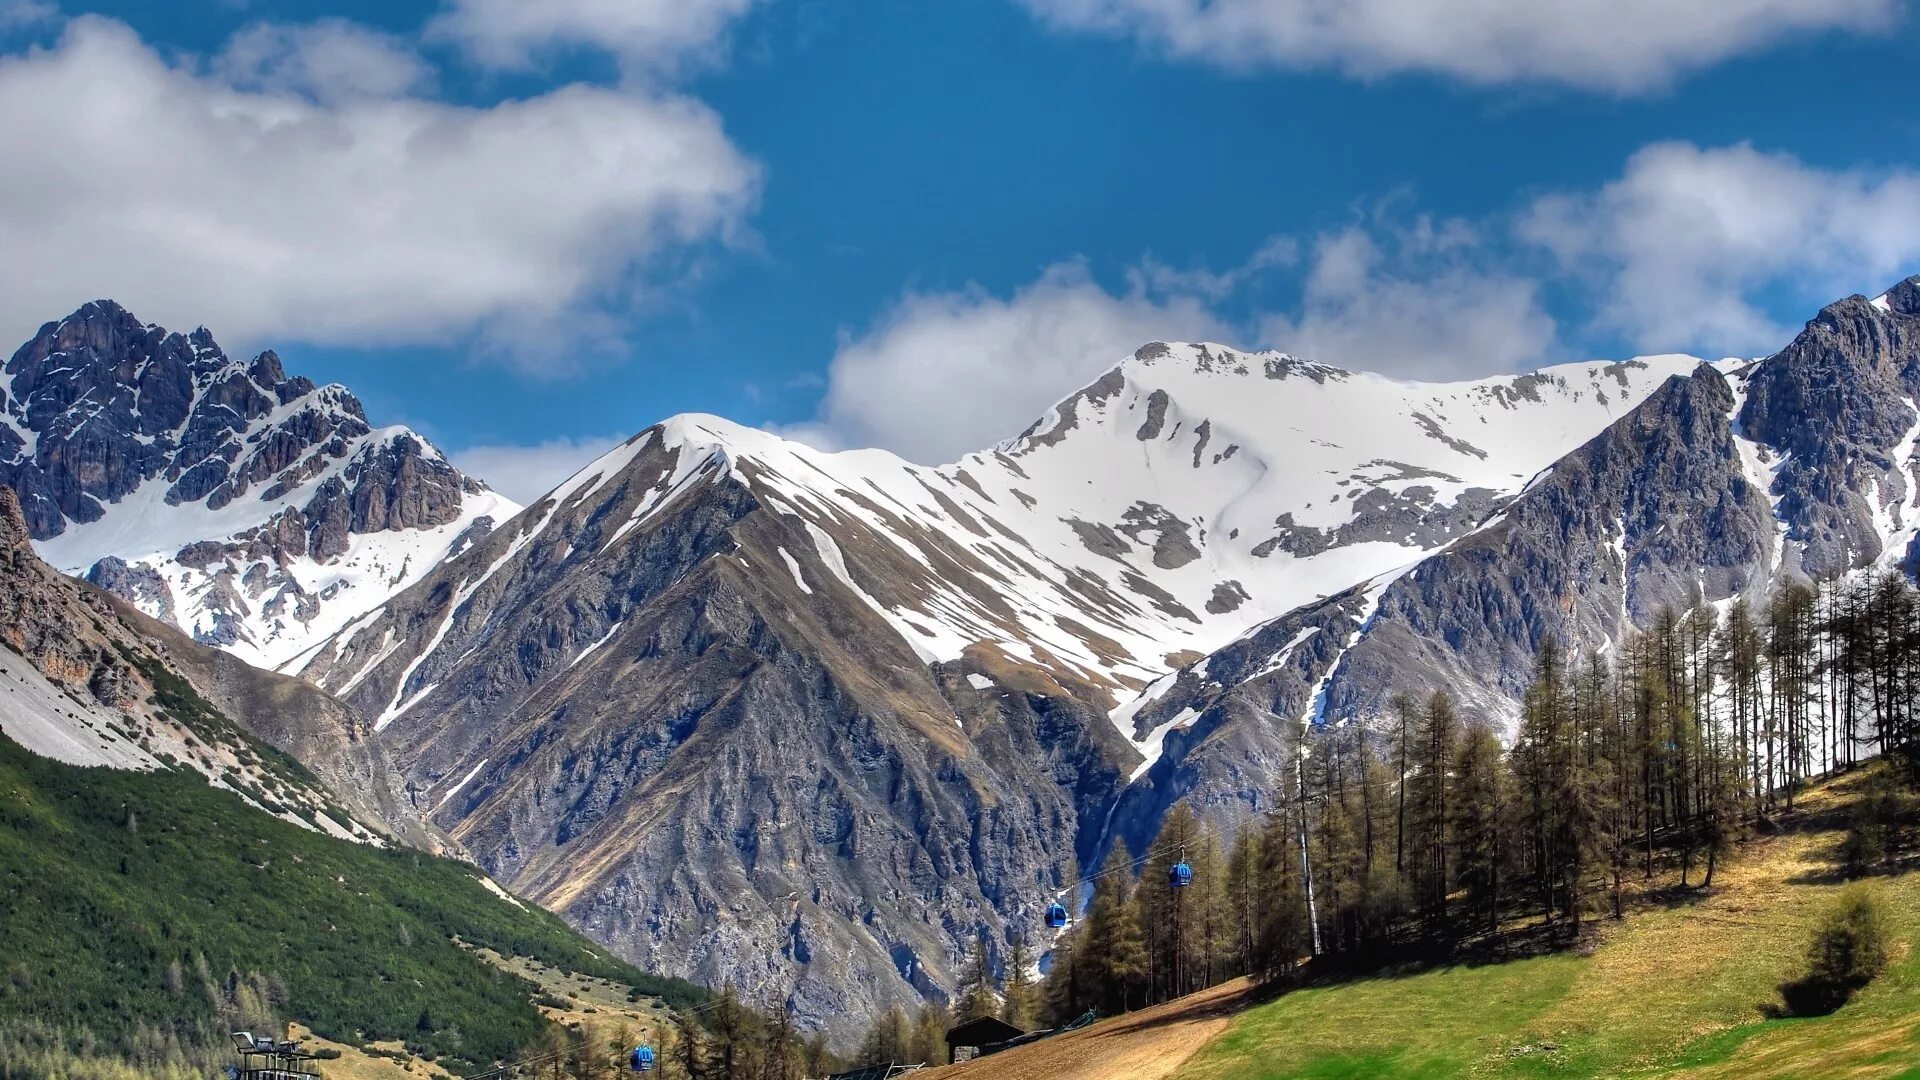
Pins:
<point x="1415" y="837"/>
<point x="145" y="915"/>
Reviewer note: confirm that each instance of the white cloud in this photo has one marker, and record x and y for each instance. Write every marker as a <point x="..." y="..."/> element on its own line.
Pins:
<point x="330" y="60"/>
<point x="1682" y="246"/>
<point x="1620" y="46"/>
<point x="18" y="13"/>
<point x="524" y="473"/>
<point x="942" y="374"/>
<point x="1421" y="308"/>
<point x="1276" y="251"/>
<point x="643" y="34"/>
<point x="372" y="219"/>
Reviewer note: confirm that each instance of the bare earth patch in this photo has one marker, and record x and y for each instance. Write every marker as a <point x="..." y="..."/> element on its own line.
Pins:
<point x="1145" y="1045"/>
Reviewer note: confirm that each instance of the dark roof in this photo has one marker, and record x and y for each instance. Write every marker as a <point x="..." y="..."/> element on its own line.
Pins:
<point x="982" y="1031"/>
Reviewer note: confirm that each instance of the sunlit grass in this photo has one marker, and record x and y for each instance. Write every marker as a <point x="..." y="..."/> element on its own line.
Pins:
<point x="1674" y="991"/>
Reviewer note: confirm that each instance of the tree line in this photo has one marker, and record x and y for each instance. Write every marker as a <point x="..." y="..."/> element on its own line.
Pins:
<point x="1415" y="833"/>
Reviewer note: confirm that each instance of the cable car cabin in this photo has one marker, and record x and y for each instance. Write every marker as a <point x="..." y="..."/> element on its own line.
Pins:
<point x="1056" y="916"/>
<point x="641" y="1060"/>
<point x="1180" y="876"/>
<point x="262" y="1058"/>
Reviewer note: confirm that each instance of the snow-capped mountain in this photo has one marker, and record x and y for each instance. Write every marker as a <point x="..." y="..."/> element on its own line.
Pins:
<point x="254" y="510"/>
<point x="712" y="633"/>
<point x="1799" y="465"/>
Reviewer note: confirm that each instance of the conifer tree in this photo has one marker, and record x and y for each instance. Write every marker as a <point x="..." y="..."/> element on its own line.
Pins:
<point x="690" y="1046"/>
<point x="1284" y="931"/>
<point x="1019" y="1003"/>
<point x="1112" y="956"/>
<point x="976" y="998"/>
<point x="1065" y="994"/>
<point x="1244" y="899"/>
<point x="816" y="1058"/>
<point x="888" y="1041"/>
<point x="732" y="1041"/>
<point x="927" y="1042"/>
<point x="1479" y="819"/>
<point x="1168" y="916"/>
<point x="1427" y="828"/>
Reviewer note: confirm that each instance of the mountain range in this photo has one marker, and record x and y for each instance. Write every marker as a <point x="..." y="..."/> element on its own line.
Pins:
<point x="811" y="723"/>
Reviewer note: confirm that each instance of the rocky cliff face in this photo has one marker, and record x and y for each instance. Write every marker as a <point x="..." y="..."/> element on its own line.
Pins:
<point x="250" y="508"/>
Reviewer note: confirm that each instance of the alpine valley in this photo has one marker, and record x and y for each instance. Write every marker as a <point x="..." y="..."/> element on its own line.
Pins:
<point x="808" y="723"/>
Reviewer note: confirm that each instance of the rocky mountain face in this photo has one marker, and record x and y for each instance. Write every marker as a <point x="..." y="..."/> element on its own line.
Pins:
<point x="1725" y="479"/>
<point x="87" y="680"/>
<point x="251" y="509"/>
<point x="813" y="722"/>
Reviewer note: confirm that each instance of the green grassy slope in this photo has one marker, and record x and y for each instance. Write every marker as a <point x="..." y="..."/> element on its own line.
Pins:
<point x="1671" y="991"/>
<point x="127" y="899"/>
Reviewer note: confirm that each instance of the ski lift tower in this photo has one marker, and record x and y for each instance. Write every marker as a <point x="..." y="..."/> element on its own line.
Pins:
<point x="262" y="1058"/>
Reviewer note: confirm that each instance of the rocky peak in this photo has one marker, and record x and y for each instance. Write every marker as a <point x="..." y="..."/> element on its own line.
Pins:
<point x="1856" y="366"/>
<point x="14" y="541"/>
<point x="1903" y="298"/>
<point x="166" y="470"/>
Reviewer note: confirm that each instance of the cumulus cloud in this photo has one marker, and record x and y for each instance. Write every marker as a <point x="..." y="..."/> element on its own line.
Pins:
<point x="524" y="473"/>
<point x="642" y="34"/>
<point x="329" y="60"/>
<point x="1682" y="246"/>
<point x="945" y="373"/>
<point x="1618" y="46"/>
<point x="234" y="201"/>
<point x="1422" y="306"/>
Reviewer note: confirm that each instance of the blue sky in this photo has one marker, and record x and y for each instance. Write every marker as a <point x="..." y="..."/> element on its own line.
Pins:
<point x="527" y="229"/>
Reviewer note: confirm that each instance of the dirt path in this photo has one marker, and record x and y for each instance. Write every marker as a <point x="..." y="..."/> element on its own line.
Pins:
<point x="1145" y="1045"/>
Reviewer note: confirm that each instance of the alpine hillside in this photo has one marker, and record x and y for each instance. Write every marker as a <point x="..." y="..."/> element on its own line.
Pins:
<point x="252" y="509"/>
<point x="89" y="682"/>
